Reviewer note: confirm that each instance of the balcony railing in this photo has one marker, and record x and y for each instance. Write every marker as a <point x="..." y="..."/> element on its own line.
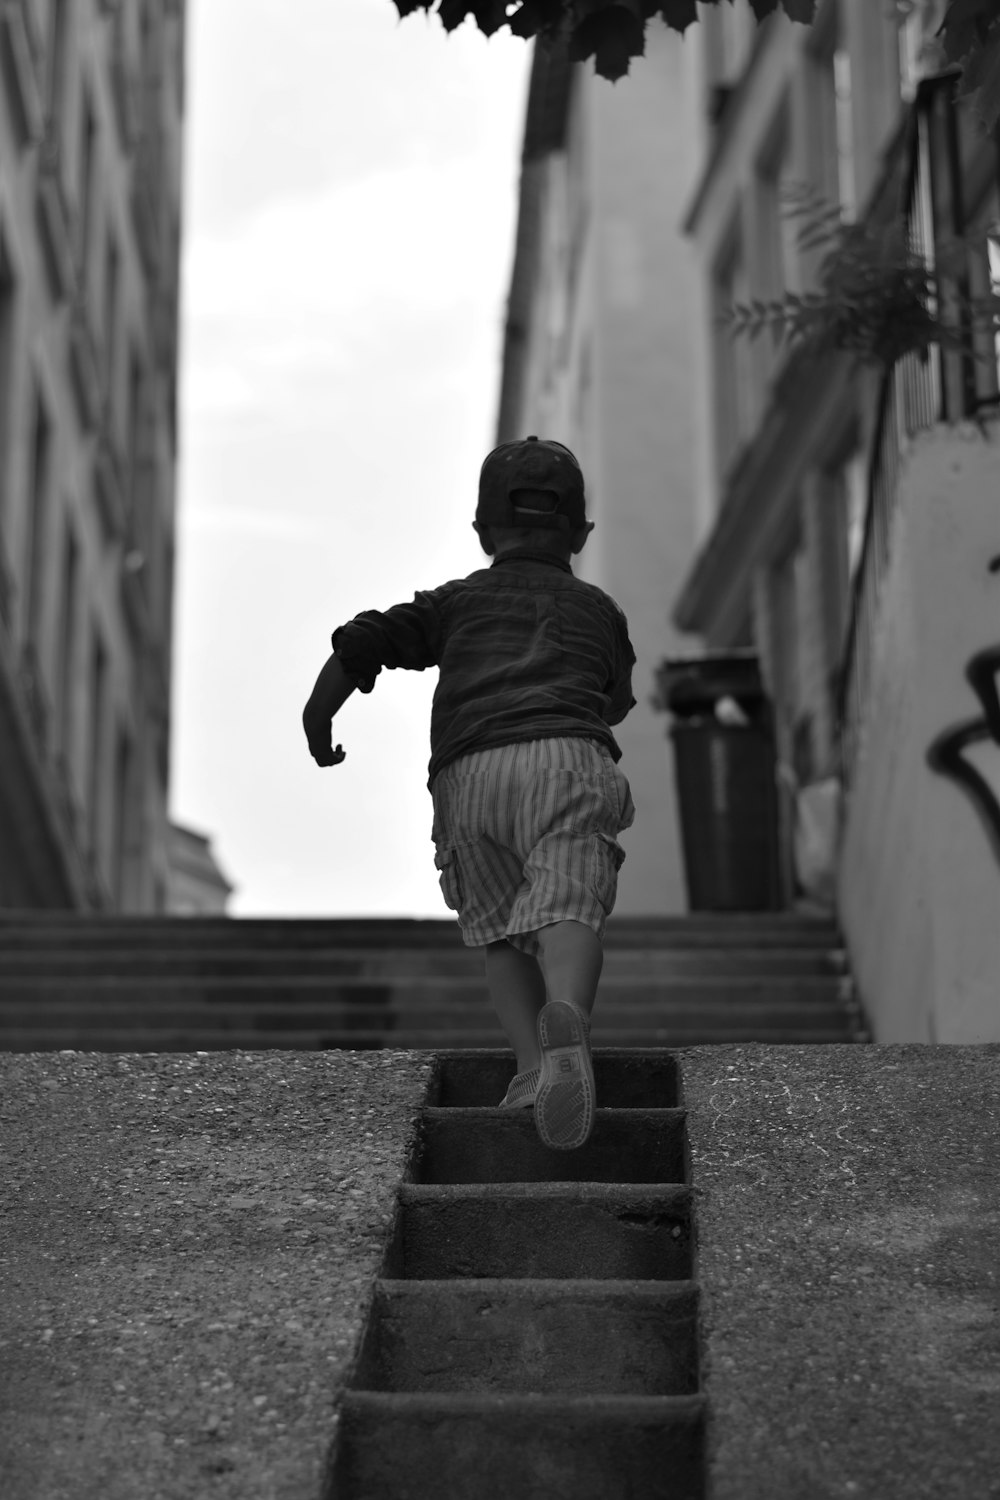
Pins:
<point x="921" y="389"/>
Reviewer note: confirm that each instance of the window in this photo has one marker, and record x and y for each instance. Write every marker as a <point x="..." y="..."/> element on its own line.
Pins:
<point x="38" y="496"/>
<point x="59" y="17"/>
<point x="122" y="817"/>
<point x="68" y="595"/>
<point x="136" y="397"/>
<point x="733" y="359"/>
<point x="845" y="502"/>
<point x="919" y="43"/>
<point x="832" y="123"/>
<point x="96" y="689"/>
<point x="844" y="105"/>
<point x="993" y="261"/>
<point x="85" y="183"/>
<point x="8" y="303"/>
<point x="110" y="310"/>
<point x="777" y="260"/>
<point x="794" y="723"/>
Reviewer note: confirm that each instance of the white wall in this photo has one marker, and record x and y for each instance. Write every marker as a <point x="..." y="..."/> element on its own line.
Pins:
<point x="919" y="886"/>
<point x="643" y="161"/>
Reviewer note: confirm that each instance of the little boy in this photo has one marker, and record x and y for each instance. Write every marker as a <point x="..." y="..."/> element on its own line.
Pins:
<point x="535" y="666"/>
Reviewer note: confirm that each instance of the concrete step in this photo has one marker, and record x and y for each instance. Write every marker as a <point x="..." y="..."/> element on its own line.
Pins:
<point x="545" y="1336"/>
<point x="477" y="1145"/>
<point x="651" y="965"/>
<point x="624" y="1077"/>
<point x="528" y="1229"/>
<point x="409" y="1446"/>
<point x="417" y="995"/>
<point x="27" y="929"/>
<point x="437" y="1015"/>
<point x="216" y="1039"/>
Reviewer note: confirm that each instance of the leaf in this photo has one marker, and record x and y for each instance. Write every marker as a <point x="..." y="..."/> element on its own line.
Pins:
<point x="613" y="34"/>
<point x="678" y="14"/>
<point x="537" y="16"/>
<point x="490" y="15"/>
<point x="800" y="10"/>
<point x="453" y="12"/>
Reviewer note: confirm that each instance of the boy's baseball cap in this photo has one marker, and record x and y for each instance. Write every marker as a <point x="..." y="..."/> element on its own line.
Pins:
<point x="531" y="463"/>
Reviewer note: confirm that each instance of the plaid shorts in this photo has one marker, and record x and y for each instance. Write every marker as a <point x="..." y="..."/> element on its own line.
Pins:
<point x="525" y="835"/>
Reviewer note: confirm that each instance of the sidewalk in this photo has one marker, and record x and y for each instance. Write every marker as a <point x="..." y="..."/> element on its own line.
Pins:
<point x="189" y="1246"/>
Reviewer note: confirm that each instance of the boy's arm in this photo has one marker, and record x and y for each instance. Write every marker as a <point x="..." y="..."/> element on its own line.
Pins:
<point x="332" y="689"/>
<point x="621" y="695"/>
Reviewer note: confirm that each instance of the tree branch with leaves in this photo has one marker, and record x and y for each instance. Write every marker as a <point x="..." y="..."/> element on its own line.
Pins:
<point x="613" y="32"/>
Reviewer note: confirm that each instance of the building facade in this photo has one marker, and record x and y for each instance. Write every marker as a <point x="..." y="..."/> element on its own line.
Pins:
<point x="844" y="520"/>
<point x="197" y="888"/>
<point x="597" y="354"/>
<point x="91" y="110"/>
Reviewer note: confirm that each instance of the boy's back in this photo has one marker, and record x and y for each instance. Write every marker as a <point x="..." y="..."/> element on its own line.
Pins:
<point x="525" y="650"/>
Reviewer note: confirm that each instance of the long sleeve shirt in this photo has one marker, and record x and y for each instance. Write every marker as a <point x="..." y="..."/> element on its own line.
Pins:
<point x="525" y="650"/>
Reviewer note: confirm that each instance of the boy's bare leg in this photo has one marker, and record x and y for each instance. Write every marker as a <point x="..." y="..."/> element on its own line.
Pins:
<point x="571" y="959"/>
<point x="517" y="991"/>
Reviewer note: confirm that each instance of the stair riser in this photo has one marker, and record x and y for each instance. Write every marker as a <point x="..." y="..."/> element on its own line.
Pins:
<point x="62" y="1039"/>
<point x="474" y="1018"/>
<point x="626" y="1146"/>
<point x="401" y="967"/>
<point x="643" y="1237"/>
<point x="434" y="995"/>
<point x="553" y="1339"/>
<point x="39" y="930"/>
<point x="624" y="1080"/>
<point x="510" y="1454"/>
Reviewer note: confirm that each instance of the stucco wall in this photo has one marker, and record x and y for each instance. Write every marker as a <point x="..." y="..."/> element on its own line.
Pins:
<point x="643" y="482"/>
<point x="919" y="883"/>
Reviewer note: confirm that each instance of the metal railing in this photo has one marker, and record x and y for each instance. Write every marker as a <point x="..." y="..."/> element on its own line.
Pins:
<point x="918" y="391"/>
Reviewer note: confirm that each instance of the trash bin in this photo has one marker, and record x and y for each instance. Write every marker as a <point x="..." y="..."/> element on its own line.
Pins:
<point x="724" y="771"/>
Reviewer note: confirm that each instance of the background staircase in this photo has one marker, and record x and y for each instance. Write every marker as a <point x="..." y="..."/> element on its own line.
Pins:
<point x="143" y="984"/>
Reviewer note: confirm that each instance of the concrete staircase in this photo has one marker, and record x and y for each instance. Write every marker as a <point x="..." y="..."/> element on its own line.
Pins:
<point x="202" y="984"/>
<point x="534" y="1329"/>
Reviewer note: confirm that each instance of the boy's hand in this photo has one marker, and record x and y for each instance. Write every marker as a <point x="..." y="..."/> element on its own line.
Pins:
<point x="326" y="755"/>
<point x="333" y="688"/>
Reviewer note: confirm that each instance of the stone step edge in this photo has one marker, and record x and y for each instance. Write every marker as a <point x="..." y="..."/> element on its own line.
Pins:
<point x="670" y="1195"/>
<point x="138" y="1039"/>
<point x="89" y="983"/>
<point x="583" y="1288"/>
<point x="468" y="1403"/>
<point x="456" y="1114"/>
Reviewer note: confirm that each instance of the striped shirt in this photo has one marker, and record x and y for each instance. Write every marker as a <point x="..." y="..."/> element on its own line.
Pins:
<point x="526" y="651"/>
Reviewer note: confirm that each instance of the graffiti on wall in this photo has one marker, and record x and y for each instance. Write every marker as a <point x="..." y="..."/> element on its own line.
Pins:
<point x="946" y="754"/>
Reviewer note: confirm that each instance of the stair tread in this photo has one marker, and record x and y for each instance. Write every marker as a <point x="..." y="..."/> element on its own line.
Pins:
<point x="468" y="1288"/>
<point x="513" y="1401"/>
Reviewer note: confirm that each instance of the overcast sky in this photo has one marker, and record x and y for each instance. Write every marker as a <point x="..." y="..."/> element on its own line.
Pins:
<point x="350" y="204"/>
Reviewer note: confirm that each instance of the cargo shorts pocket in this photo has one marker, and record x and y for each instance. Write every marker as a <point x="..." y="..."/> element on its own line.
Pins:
<point x="607" y="858"/>
<point x="446" y="861"/>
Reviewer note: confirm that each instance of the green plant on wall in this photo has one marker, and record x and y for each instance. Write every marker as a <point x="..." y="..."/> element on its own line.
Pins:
<point x="876" y="296"/>
<point x="612" y="32"/>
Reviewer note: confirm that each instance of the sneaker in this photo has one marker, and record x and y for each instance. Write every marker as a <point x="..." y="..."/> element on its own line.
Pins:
<point x="522" y="1090"/>
<point x="564" y="1104"/>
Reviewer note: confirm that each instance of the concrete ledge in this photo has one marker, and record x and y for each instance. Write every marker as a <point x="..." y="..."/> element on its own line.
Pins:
<point x="847" y="1205"/>
<point x="188" y="1248"/>
<point x="189" y="1243"/>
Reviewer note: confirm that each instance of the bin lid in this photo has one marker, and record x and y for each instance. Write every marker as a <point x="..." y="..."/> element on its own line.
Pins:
<point x="694" y="684"/>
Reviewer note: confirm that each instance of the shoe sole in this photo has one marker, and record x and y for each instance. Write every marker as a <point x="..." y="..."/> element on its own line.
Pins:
<point x="564" y="1104"/>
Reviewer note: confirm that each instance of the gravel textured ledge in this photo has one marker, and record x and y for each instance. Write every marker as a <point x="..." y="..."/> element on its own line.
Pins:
<point x="848" y="1214"/>
<point x="188" y="1245"/>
